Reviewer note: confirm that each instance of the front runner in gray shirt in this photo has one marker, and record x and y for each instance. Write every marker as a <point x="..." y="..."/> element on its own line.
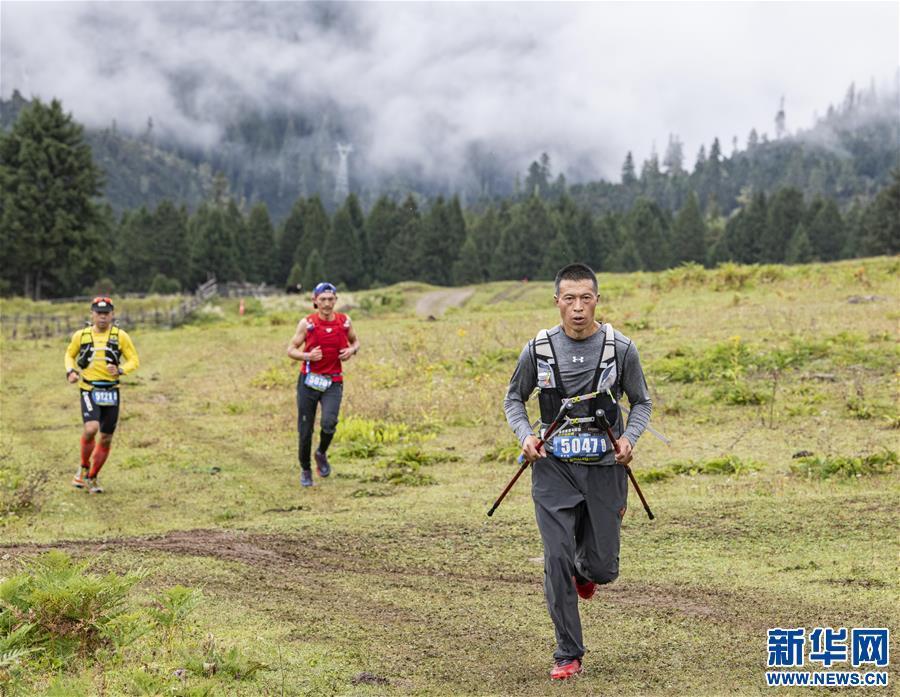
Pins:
<point x="579" y="492"/>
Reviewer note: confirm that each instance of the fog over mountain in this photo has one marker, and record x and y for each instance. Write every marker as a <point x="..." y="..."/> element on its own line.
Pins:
<point x="422" y="85"/>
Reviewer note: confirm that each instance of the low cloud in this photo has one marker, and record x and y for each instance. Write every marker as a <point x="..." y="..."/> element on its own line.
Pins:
<point x="419" y="83"/>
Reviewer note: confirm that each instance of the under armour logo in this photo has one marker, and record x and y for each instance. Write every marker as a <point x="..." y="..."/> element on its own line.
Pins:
<point x="577" y="359"/>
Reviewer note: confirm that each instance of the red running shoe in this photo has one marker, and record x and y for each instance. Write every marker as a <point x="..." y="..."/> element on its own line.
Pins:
<point x="566" y="668"/>
<point x="585" y="590"/>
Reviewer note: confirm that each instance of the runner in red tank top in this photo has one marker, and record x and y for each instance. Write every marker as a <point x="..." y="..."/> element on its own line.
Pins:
<point x="322" y="342"/>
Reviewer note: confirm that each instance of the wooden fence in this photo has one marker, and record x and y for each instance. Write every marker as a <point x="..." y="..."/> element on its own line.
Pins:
<point x="42" y="326"/>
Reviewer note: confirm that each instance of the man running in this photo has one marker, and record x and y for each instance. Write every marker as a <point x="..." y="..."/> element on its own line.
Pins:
<point x="322" y="342"/>
<point x="103" y="353"/>
<point x="579" y="492"/>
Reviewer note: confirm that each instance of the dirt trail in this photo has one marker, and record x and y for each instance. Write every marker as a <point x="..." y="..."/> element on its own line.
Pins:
<point x="272" y="558"/>
<point x="512" y="293"/>
<point x="435" y="303"/>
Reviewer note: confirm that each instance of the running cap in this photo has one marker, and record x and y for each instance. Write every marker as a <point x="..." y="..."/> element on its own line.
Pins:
<point x="324" y="287"/>
<point x="102" y="303"/>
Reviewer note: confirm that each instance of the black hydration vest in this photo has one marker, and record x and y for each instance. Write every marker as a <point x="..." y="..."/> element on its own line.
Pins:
<point x="606" y="378"/>
<point x="86" y="352"/>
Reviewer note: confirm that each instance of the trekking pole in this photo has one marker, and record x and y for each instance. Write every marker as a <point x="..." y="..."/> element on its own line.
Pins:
<point x="523" y="462"/>
<point x="603" y="422"/>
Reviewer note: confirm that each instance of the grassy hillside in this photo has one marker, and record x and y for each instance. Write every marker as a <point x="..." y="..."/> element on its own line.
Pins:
<point x="388" y="579"/>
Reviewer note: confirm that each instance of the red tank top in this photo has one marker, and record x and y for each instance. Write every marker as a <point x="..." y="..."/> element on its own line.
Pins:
<point x="331" y="337"/>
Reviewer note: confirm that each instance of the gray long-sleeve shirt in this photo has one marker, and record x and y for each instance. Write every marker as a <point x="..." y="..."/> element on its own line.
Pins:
<point x="577" y="361"/>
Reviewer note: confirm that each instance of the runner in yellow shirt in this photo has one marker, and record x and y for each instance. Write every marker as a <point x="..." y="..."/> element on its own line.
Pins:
<point x="101" y="352"/>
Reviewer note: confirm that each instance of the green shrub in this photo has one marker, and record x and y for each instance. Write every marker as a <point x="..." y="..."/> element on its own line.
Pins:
<point x="208" y="660"/>
<point x="727" y="465"/>
<point x="655" y="474"/>
<point x="402" y="474"/>
<point x="172" y="607"/>
<point x="71" y="611"/>
<point x="163" y="285"/>
<point x="380" y="303"/>
<point x="741" y="394"/>
<point x="371" y="435"/>
<point x="504" y="454"/>
<point x="20" y="495"/>
<point x="820" y="467"/>
<point x="413" y="455"/>
<point x="275" y="377"/>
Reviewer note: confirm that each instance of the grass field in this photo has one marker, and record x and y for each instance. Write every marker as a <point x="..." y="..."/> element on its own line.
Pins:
<point x="388" y="578"/>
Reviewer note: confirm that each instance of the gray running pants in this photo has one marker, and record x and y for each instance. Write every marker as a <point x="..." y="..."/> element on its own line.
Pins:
<point x="307" y="401"/>
<point x="579" y="511"/>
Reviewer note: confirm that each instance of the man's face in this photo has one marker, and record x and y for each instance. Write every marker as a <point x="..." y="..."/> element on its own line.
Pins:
<point x="577" y="302"/>
<point x="325" y="301"/>
<point x="101" y="320"/>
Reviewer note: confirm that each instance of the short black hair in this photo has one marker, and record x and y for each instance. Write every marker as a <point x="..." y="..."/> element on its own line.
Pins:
<point x="575" y="272"/>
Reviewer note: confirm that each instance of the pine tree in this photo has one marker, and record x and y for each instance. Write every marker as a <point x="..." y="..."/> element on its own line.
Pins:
<point x="628" y="175"/>
<point x="879" y="229"/>
<point x="289" y="238"/>
<point x="485" y="232"/>
<point x="608" y="240"/>
<point x="536" y="183"/>
<point x="214" y="250"/>
<point x="745" y="232"/>
<point x="47" y="210"/>
<point x="785" y="214"/>
<point x="799" y="249"/>
<point x="343" y="256"/>
<point x="134" y="248"/>
<point x="443" y="233"/>
<point x="649" y="229"/>
<point x="530" y="230"/>
<point x="689" y="233"/>
<point x="559" y="253"/>
<point x="576" y="225"/>
<point x="712" y="172"/>
<point x="382" y="225"/>
<point x="674" y="157"/>
<point x="752" y="139"/>
<point x="399" y="264"/>
<point x="295" y="278"/>
<point x="316" y="228"/>
<point x="627" y="257"/>
<point x="236" y="231"/>
<point x="262" y="252"/>
<point x="171" y="251"/>
<point x="826" y="232"/>
<point x="467" y="268"/>
<point x="314" y="270"/>
<point x="358" y="218"/>
<point x="499" y="268"/>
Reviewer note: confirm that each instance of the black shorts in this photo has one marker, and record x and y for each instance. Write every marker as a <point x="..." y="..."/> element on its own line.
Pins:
<point x="108" y="416"/>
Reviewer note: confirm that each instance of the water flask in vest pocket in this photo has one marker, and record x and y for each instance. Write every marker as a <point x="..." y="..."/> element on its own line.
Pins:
<point x="545" y="377"/>
<point x="607" y="378"/>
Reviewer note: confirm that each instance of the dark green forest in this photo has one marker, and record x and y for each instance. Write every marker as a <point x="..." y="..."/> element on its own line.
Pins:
<point x="84" y="210"/>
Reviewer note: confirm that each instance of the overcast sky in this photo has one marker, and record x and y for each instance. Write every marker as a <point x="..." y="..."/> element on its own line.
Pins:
<point x="583" y="81"/>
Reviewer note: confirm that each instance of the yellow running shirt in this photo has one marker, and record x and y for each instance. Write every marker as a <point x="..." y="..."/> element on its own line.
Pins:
<point x="97" y="368"/>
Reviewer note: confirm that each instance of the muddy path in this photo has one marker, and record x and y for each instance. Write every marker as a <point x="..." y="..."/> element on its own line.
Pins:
<point x="273" y="559"/>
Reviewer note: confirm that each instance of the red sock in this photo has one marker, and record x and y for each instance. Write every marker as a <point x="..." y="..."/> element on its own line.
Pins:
<point x="101" y="452"/>
<point x="87" y="447"/>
